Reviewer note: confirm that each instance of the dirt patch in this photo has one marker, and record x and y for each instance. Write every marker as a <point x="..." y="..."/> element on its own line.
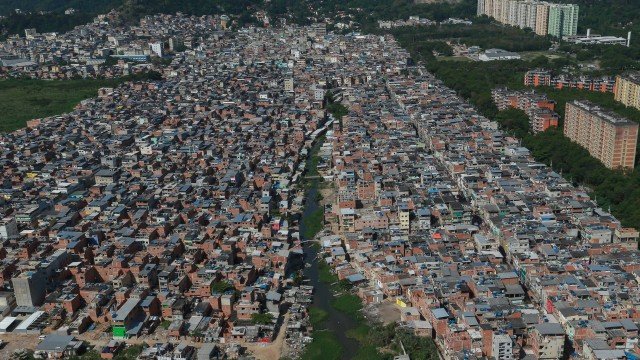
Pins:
<point x="273" y="350"/>
<point x="16" y="342"/>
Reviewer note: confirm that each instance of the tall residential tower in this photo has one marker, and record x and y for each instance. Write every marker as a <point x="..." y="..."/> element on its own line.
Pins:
<point x="608" y="137"/>
<point x="563" y="20"/>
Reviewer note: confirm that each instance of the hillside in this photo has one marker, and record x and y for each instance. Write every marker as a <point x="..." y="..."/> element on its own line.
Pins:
<point x="87" y="6"/>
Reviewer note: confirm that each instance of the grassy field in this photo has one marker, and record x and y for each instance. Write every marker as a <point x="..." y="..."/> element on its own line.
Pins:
<point x="23" y="100"/>
<point x="530" y="55"/>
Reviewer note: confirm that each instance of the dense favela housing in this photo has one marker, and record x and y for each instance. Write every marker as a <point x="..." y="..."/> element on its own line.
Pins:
<point x="538" y="108"/>
<point x="165" y="211"/>
<point x="484" y="249"/>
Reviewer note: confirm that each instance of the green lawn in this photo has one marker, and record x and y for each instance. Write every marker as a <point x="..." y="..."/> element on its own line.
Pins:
<point x="454" y="58"/>
<point x="530" y="55"/>
<point x="23" y="100"/>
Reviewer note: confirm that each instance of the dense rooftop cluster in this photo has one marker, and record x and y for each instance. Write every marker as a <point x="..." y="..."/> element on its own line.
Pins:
<point x="83" y="52"/>
<point x="178" y="201"/>
<point x="170" y="201"/>
<point x="486" y="250"/>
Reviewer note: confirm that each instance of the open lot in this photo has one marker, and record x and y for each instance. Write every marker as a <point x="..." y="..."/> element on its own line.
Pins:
<point x="22" y="100"/>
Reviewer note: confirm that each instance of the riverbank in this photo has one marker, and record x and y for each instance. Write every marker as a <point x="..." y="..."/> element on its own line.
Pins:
<point x="328" y="341"/>
<point x="339" y="328"/>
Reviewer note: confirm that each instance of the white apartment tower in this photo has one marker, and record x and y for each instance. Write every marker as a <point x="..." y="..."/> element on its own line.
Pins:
<point x="542" y="17"/>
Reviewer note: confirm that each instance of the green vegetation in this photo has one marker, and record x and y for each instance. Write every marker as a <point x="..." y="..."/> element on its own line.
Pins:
<point x="325" y="346"/>
<point x="605" y="100"/>
<point x="366" y="12"/>
<point x="134" y="9"/>
<point x="349" y="304"/>
<point x="474" y="81"/>
<point x="481" y="33"/>
<point x="98" y="6"/>
<point x="611" y="59"/>
<point x="317" y="316"/>
<point x="313" y="223"/>
<point x="25" y="99"/>
<point x="89" y="355"/>
<point x="52" y="22"/>
<point x="324" y="273"/>
<point x="130" y="353"/>
<point x="22" y="100"/>
<point x="383" y="342"/>
<point x="262" y="319"/>
<point x="165" y="324"/>
<point x="336" y="109"/>
<point x="221" y="287"/>
<point x="611" y="17"/>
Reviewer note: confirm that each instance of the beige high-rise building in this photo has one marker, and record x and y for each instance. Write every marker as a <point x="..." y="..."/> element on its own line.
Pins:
<point x="481" y="9"/>
<point x="504" y="13"/>
<point x="608" y="137"/>
<point x="542" y="19"/>
<point x="627" y="90"/>
<point x="514" y="12"/>
<point x="488" y="7"/>
<point x="497" y="9"/>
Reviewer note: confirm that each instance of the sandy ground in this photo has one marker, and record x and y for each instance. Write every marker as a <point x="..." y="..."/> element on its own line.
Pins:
<point x="389" y="312"/>
<point x="386" y="312"/>
<point x="16" y="342"/>
<point x="329" y="197"/>
<point x="273" y="350"/>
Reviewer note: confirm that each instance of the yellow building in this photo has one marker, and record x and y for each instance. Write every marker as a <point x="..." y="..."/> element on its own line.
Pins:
<point x="542" y="19"/>
<point x="627" y="90"/>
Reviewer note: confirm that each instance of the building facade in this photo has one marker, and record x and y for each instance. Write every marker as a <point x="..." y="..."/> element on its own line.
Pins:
<point x="563" y="20"/>
<point x="30" y="288"/>
<point x="542" y="17"/>
<point x="502" y="347"/>
<point x="607" y="136"/>
<point x="628" y="90"/>
<point x="541" y="77"/>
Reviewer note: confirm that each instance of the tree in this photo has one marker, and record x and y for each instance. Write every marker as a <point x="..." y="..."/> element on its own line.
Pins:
<point x="262" y="319"/>
<point x="221" y="287"/>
